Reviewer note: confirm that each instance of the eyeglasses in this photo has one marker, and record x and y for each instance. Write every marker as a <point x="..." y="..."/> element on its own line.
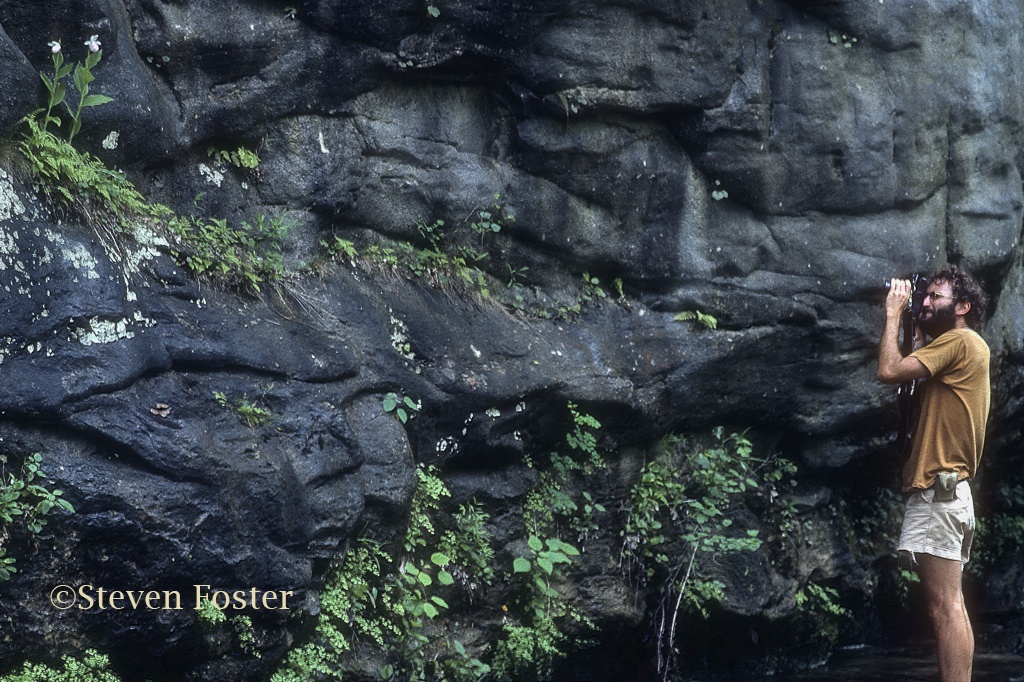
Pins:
<point x="935" y="295"/>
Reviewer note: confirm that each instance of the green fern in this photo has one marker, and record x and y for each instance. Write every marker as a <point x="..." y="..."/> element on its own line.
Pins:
<point x="708" y="321"/>
<point x="81" y="181"/>
<point x="240" y="158"/>
<point x="93" y="667"/>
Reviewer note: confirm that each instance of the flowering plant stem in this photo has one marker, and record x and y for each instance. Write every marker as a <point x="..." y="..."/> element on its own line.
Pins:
<point x="56" y="89"/>
<point x="81" y="75"/>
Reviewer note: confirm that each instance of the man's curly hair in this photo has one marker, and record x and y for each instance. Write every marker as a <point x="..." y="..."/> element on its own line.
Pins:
<point x="965" y="288"/>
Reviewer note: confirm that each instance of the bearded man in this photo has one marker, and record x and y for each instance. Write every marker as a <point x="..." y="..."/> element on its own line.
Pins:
<point x="945" y="447"/>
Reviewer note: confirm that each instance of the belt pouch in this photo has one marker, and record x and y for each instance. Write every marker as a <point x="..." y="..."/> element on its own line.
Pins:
<point x="945" y="486"/>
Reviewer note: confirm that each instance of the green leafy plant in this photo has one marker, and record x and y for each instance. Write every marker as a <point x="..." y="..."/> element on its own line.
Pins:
<point x="582" y="438"/>
<point x="491" y="220"/>
<point x="82" y="181"/>
<point x="252" y="414"/>
<point x="418" y="579"/>
<point x="426" y="505"/>
<point x="339" y="248"/>
<point x="402" y="406"/>
<point x="468" y="544"/>
<point x="103" y="197"/>
<point x="817" y="597"/>
<point x="211" y="618"/>
<point x="246" y="634"/>
<point x="904" y="581"/>
<point x="1000" y="532"/>
<point x="534" y="639"/>
<point x="400" y="602"/>
<point x="93" y="667"/>
<point x="546" y="555"/>
<point x="679" y="517"/>
<point x="81" y="76"/>
<point x="536" y="635"/>
<point x="25" y="504"/>
<point x="998" y="535"/>
<point x="516" y="275"/>
<point x="704" y="319"/>
<point x="443" y="256"/>
<point x="555" y="503"/>
<point x="248" y="256"/>
<point x="820" y="615"/>
<point x="382" y="255"/>
<point x="241" y="157"/>
<point x="387" y="598"/>
<point x="592" y="289"/>
<point x="441" y="264"/>
<point x="876" y="518"/>
<point x="431" y="260"/>
<point x="24" y="498"/>
<point x="462" y="666"/>
<point x="354" y="602"/>
<point x="6" y="565"/>
<point x="843" y="39"/>
<point x="572" y="101"/>
<point x="209" y="615"/>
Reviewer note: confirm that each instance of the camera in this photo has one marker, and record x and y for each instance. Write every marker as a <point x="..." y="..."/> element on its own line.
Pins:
<point x="918" y="288"/>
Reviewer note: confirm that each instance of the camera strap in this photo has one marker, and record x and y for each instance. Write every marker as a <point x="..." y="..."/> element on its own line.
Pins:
<point x="907" y="392"/>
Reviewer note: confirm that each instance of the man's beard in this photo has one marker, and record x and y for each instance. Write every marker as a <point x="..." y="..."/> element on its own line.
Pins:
<point x="938" y="320"/>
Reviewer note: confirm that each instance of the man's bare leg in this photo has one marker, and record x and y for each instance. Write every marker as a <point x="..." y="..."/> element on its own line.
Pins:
<point x="941" y="580"/>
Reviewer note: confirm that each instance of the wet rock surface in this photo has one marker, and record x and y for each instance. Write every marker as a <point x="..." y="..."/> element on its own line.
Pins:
<point x="767" y="163"/>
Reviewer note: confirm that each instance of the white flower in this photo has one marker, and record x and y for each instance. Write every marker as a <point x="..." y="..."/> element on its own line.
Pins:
<point x="93" y="43"/>
<point x="54" y="46"/>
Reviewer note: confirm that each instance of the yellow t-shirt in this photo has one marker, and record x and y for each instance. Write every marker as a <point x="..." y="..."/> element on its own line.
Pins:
<point x="950" y="430"/>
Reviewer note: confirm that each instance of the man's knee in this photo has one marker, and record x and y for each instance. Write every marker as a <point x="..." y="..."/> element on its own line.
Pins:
<point x="941" y="581"/>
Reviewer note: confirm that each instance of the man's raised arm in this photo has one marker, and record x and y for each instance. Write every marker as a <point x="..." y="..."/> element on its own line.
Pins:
<point x="893" y="368"/>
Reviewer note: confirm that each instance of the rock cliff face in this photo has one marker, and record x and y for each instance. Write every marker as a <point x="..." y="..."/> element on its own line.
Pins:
<point x="767" y="163"/>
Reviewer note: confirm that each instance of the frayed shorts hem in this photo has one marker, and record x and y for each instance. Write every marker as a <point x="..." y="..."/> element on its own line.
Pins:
<point x="908" y="555"/>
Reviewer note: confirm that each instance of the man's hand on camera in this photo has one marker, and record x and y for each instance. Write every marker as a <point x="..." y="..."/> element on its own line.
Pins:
<point x="898" y="298"/>
<point x="893" y="368"/>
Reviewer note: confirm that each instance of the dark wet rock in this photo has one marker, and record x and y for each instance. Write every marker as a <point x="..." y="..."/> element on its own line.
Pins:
<point x="766" y="163"/>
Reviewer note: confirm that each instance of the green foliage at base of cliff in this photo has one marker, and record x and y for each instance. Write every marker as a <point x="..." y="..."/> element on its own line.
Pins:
<point x="92" y="667"/>
<point x="390" y="599"/>
<point x="443" y="601"/>
<point x="410" y="608"/>
<point x="681" y="522"/>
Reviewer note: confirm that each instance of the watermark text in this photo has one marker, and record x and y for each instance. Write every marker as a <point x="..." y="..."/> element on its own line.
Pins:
<point x="91" y="597"/>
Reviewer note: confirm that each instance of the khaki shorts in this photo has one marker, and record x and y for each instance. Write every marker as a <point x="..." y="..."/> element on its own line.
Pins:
<point x="942" y="529"/>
